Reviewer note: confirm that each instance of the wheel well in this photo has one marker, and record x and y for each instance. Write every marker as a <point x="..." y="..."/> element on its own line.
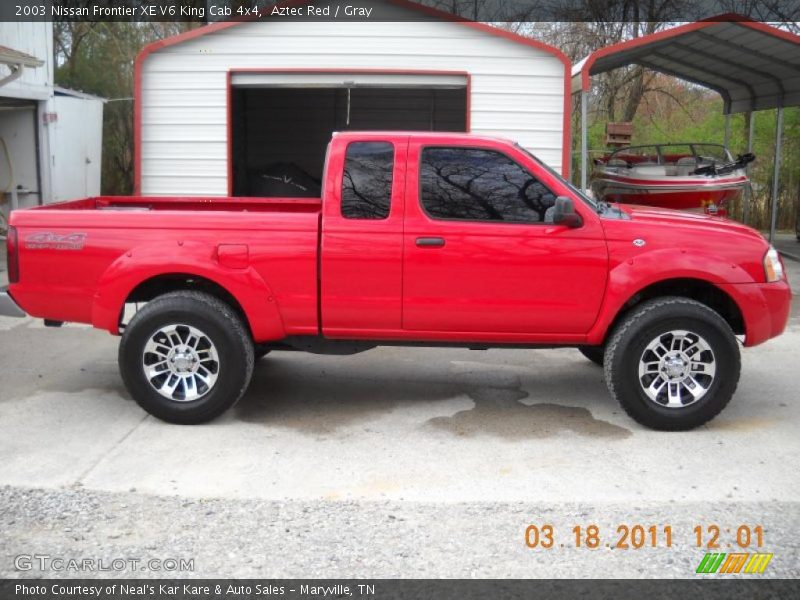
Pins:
<point x="696" y="289"/>
<point x="174" y="282"/>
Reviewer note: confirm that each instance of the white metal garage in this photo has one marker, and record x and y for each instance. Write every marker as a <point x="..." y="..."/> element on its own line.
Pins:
<point x="218" y="107"/>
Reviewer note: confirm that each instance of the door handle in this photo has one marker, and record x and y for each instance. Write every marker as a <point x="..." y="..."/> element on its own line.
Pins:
<point x="431" y="242"/>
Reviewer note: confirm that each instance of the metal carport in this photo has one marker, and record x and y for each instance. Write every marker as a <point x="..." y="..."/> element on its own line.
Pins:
<point x="753" y="66"/>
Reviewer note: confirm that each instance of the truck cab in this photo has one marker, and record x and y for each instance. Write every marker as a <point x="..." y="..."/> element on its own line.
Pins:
<point x="442" y="236"/>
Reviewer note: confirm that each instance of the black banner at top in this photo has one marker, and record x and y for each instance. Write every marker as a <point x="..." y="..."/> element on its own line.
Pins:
<point x="206" y="11"/>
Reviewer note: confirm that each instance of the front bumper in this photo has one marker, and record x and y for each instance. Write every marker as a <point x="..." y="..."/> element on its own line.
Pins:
<point x="765" y="308"/>
<point x="9" y="308"/>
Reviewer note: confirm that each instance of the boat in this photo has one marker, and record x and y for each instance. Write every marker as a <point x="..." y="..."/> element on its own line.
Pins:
<point x="697" y="177"/>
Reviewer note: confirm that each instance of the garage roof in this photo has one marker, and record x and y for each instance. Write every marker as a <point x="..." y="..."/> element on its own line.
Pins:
<point x="753" y="66"/>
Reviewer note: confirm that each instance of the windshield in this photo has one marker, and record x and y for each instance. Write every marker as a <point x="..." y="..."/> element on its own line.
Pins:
<point x="590" y="201"/>
<point x="667" y="154"/>
<point x="713" y="152"/>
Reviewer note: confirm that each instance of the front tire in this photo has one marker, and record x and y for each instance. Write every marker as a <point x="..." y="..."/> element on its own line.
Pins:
<point x="186" y="357"/>
<point x="672" y="363"/>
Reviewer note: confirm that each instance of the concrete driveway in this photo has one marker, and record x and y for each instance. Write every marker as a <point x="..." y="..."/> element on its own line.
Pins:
<point x="466" y="448"/>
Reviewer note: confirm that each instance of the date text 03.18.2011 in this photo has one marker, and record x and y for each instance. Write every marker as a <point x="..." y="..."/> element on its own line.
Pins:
<point x="636" y="536"/>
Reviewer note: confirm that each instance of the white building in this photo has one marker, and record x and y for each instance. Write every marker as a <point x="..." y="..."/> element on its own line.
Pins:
<point x="219" y="104"/>
<point x="50" y="138"/>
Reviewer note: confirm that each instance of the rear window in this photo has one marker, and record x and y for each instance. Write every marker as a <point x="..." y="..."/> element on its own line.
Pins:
<point x="367" y="181"/>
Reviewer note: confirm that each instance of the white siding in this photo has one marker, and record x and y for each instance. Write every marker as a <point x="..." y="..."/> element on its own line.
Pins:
<point x="36" y="39"/>
<point x="517" y="90"/>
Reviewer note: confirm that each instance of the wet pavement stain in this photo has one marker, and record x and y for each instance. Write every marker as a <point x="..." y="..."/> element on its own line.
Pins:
<point x="498" y="412"/>
<point x="333" y="401"/>
<point x="325" y="403"/>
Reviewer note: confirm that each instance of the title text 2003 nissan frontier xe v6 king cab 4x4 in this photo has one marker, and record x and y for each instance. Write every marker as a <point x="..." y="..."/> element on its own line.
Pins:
<point x="418" y="239"/>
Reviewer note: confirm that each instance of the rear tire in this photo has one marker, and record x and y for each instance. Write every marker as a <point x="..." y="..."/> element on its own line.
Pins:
<point x="595" y="354"/>
<point x="672" y="363"/>
<point x="186" y="357"/>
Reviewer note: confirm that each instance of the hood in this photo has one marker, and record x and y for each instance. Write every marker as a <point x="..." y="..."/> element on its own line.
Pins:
<point x="670" y="218"/>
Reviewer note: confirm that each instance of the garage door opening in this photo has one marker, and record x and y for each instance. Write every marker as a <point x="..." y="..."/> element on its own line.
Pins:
<point x="281" y="123"/>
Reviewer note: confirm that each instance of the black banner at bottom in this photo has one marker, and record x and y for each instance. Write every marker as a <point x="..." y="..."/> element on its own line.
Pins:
<point x="380" y="589"/>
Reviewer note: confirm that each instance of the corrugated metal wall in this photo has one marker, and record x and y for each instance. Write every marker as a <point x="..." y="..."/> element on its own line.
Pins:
<point x="517" y="91"/>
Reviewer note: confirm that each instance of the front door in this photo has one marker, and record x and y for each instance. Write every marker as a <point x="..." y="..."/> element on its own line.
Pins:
<point x="480" y="255"/>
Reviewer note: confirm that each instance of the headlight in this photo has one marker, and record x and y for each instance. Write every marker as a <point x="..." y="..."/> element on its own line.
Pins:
<point x="773" y="267"/>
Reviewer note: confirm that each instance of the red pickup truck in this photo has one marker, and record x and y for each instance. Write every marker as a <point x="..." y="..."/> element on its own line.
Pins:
<point x="419" y="239"/>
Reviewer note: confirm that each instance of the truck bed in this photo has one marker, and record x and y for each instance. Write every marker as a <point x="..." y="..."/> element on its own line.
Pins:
<point x="178" y="203"/>
<point x="79" y="257"/>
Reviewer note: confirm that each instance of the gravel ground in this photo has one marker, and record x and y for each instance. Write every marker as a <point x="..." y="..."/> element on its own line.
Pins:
<point x="354" y="539"/>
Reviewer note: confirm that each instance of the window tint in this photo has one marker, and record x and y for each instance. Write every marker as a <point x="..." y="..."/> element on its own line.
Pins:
<point x="480" y="185"/>
<point x="367" y="182"/>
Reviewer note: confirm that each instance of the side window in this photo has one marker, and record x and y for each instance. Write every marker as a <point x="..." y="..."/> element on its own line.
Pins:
<point x="480" y="185"/>
<point x="367" y="182"/>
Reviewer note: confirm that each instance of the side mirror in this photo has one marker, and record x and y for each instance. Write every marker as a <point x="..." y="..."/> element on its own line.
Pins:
<point x="564" y="213"/>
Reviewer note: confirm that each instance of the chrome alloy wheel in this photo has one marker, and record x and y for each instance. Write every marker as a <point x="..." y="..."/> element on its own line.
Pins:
<point x="180" y="362"/>
<point x="677" y="369"/>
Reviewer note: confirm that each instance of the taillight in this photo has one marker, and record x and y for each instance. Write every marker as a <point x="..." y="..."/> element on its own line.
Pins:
<point x="12" y="255"/>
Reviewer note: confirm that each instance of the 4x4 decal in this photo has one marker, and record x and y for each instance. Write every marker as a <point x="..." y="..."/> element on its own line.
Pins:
<point x="55" y="241"/>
